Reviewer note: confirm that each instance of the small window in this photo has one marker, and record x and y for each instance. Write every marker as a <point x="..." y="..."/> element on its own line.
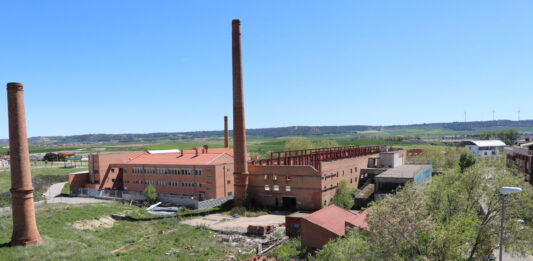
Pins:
<point x="113" y="170"/>
<point x="276" y="187"/>
<point x="229" y="193"/>
<point x="266" y="177"/>
<point x="112" y="180"/>
<point x="267" y="187"/>
<point x="275" y="177"/>
<point x="95" y="171"/>
<point x="229" y="181"/>
<point x="287" y="188"/>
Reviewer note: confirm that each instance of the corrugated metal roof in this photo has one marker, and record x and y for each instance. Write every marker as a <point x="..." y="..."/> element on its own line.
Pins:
<point x="404" y="171"/>
<point x="484" y="143"/>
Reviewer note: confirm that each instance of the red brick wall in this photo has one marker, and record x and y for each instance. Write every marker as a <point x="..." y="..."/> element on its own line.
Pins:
<point x="314" y="236"/>
<point x="76" y="181"/>
<point x="305" y="181"/>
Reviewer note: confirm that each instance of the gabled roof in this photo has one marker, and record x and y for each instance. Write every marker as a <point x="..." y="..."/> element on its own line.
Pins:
<point x="484" y="143"/>
<point x="176" y="158"/>
<point x="334" y="219"/>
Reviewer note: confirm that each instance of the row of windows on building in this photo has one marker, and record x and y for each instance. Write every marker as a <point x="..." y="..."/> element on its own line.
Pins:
<point x="174" y="171"/>
<point x="171" y="183"/>
<point x="275" y="177"/>
<point x="276" y="188"/>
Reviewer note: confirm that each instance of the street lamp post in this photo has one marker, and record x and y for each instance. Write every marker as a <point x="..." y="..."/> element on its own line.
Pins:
<point x="504" y="191"/>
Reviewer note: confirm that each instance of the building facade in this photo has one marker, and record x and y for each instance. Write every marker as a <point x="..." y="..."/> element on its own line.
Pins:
<point x="484" y="148"/>
<point x="199" y="174"/>
<point x="521" y="158"/>
<point x="305" y="179"/>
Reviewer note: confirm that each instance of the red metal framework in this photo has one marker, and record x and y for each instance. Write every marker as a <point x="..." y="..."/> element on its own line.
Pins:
<point x="314" y="157"/>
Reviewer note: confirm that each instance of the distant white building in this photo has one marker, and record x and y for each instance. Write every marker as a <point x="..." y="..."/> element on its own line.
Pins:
<point x="484" y="148"/>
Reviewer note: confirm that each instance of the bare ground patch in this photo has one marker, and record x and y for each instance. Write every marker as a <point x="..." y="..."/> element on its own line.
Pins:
<point x="103" y="222"/>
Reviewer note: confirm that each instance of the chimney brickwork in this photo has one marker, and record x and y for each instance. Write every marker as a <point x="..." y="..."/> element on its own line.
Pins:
<point x="25" y="230"/>
<point x="226" y="132"/>
<point x="239" y="128"/>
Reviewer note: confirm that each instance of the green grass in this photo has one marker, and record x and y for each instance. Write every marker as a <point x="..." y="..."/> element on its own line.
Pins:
<point x="5" y="175"/>
<point x="288" y="250"/>
<point x="66" y="189"/>
<point x="138" y="239"/>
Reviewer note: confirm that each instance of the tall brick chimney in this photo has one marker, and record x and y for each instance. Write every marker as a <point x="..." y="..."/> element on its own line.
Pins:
<point x="226" y="132"/>
<point x="25" y="230"/>
<point x="239" y="128"/>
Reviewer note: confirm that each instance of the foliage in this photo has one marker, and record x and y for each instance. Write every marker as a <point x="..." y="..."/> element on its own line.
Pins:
<point x="288" y="250"/>
<point x="298" y="143"/>
<point x="344" y="196"/>
<point x="326" y="143"/>
<point x="150" y="193"/>
<point x="442" y="220"/>
<point x="50" y="156"/>
<point x="441" y="158"/>
<point x="466" y="160"/>
<point x="508" y="136"/>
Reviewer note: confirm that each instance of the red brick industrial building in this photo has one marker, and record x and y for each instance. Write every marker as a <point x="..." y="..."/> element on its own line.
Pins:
<point x="201" y="173"/>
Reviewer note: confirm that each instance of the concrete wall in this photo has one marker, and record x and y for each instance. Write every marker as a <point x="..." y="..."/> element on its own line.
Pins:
<point x="423" y="175"/>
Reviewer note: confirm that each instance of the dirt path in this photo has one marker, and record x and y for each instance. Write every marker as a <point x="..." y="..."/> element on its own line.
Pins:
<point x="53" y="196"/>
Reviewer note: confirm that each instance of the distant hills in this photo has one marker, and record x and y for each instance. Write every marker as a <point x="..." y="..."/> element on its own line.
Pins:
<point x="446" y="128"/>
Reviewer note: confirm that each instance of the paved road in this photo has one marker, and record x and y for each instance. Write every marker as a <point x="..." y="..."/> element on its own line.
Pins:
<point x="53" y="196"/>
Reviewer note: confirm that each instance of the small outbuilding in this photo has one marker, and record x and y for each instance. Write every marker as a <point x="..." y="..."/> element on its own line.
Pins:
<point x="484" y="148"/>
<point x="391" y="179"/>
<point x="328" y="223"/>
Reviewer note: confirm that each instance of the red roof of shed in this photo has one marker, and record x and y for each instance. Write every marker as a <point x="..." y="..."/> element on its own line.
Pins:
<point x="333" y="218"/>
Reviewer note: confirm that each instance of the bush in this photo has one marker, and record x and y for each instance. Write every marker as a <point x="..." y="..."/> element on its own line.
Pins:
<point x="466" y="160"/>
<point x="150" y="193"/>
<point x="344" y="196"/>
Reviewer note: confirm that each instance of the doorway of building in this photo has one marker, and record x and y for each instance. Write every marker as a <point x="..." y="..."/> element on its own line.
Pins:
<point x="289" y="202"/>
<point x="201" y="196"/>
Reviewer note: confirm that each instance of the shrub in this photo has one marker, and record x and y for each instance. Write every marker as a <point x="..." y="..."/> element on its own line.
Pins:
<point x="150" y="193"/>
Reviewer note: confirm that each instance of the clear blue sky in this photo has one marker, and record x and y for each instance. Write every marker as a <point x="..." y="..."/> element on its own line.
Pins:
<point x="165" y="66"/>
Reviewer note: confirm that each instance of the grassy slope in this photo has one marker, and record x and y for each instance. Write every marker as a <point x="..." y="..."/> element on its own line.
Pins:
<point x="5" y="176"/>
<point x="140" y="239"/>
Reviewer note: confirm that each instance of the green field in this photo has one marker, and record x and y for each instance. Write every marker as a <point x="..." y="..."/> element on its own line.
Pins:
<point x="140" y="237"/>
<point x="5" y="175"/>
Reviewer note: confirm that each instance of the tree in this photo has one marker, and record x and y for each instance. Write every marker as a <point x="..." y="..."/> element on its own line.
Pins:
<point x="150" y="193"/>
<point x="50" y="156"/>
<point x="466" y="160"/>
<point x="298" y="143"/>
<point x="326" y="143"/>
<point x="344" y="196"/>
<point x="454" y="217"/>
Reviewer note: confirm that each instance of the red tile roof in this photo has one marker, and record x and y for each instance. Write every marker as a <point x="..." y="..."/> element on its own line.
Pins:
<point x="333" y="218"/>
<point x="176" y="158"/>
